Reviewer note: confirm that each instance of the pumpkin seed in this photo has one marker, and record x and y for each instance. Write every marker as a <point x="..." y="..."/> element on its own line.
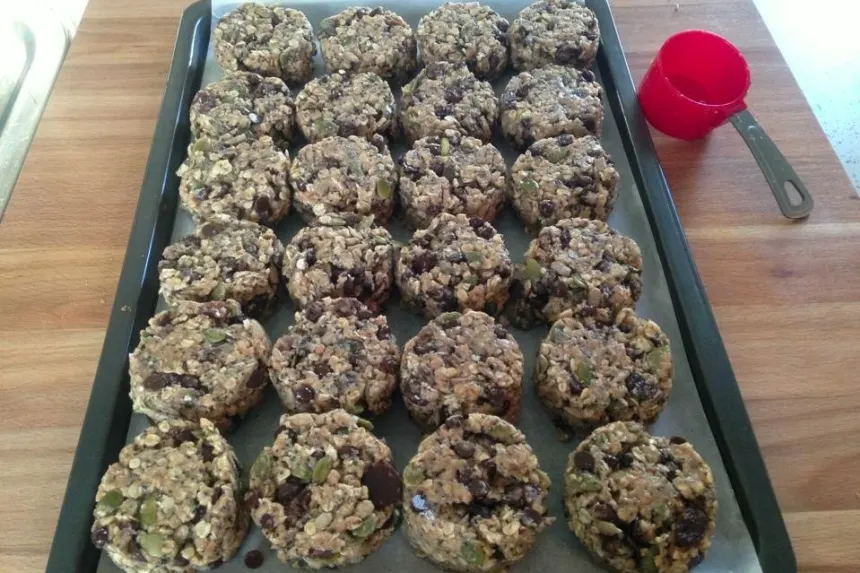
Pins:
<point x="648" y="563"/>
<point x="607" y="528"/>
<point x="219" y="292"/>
<point x="356" y="410"/>
<point x="580" y="482"/>
<point x="148" y="511"/>
<point x="202" y="144"/>
<point x="584" y="373"/>
<point x="533" y="270"/>
<point x="366" y="222"/>
<point x="300" y="469"/>
<point x="500" y="431"/>
<point x="366" y="424"/>
<point x="262" y="467"/>
<point x="111" y="500"/>
<point x="556" y="155"/>
<point x="412" y="475"/>
<point x="214" y="335"/>
<point x="529" y="186"/>
<point x="579" y="282"/>
<point x="473" y="256"/>
<point x="542" y="364"/>
<point x="656" y="356"/>
<point x="445" y="146"/>
<point x="383" y="189"/>
<point x="473" y="553"/>
<point x="152" y="543"/>
<point x="447" y="319"/>
<point x="325" y="127"/>
<point x="367" y="527"/>
<point x="322" y="469"/>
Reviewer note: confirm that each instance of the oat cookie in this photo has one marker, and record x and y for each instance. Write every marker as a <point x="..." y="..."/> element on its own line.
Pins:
<point x="639" y="502"/>
<point x="341" y="175"/>
<point x="447" y="96"/>
<point x="461" y="364"/>
<point x="326" y="493"/>
<point x="199" y="360"/>
<point x="563" y="177"/>
<point x="452" y="174"/>
<point x="589" y="374"/>
<point x="369" y="40"/>
<point x="172" y="502"/>
<point x="340" y="257"/>
<point x="579" y="265"/>
<point x="465" y="33"/>
<point x="457" y="263"/>
<point x="239" y="260"/>
<point x="475" y="498"/>
<point x="554" y="32"/>
<point x="266" y="39"/>
<point x="338" y="354"/>
<point x="551" y="101"/>
<point x="346" y="104"/>
<point x="244" y="103"/>
<point x="235" y="178"/>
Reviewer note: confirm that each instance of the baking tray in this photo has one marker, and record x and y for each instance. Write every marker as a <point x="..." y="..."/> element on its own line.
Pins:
<point x="706" y="405"/>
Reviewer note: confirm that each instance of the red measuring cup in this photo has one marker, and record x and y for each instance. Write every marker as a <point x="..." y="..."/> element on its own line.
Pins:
<point x="697" y="83"/>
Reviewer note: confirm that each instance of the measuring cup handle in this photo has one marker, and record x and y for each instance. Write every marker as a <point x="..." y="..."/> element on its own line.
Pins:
<point x="774" y="165"/>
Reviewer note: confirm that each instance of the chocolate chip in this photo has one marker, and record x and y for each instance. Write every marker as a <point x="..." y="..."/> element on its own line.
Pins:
<point x="424" y="262"/>
<point x="180" y="561"/>
<point x="611" y="461"/>
<point x="479" y="488"/>
<point x="590" y="124"/>
<point x="604" y="512"/>
<point x="304" y="394"/>
<point x="443" y="111"/>
<point x="259" y="378"/>
<point x="464" y="449"/>
<point x="383" y="484"/>
<point x="186" y="381"/>
<point x="154" y="382"/>
<point x="447" y="300"/>
<point x="288" y="490"/>
<point x="530" y="518"/>
<point x="546" y="209"/>
<point x="515" y="495"/>
<point x="588" y="75"/>
<point x="691" y="527"/>
<point x="322" y="369"/>
<point x="199" y="512"/>
<point x="184" y="435"/>
<point x="207" y="452"/>
<point x="419" y="504"/>
<point x="383" y="332"/>
<point x="584" y="461"/>
<point x="497" y="398"/>
<point x="254" y="559"/>
<point x="574" y="386"/>
<point x="263" y="206"/>
<point x="640" y="388"/>
<point x="479" y="510"/>
<point x="489" y="467"/>
<point x="564" y="139"/>
<point x="298" y="506"/>
<point x="267" y="521"/>
<point x="625" y="460"/>
<point x="677" y="440"/>
<point x="348" y="452"/>
<point x="454" y="94"/>
<point x="453" y="422"/>
<point x="100" y="537"/>
<point x="500" y="332"/>
<point x="523" y="90"/>
<point x="567" y="53"/>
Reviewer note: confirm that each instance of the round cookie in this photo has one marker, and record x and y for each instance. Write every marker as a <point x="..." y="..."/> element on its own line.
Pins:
<point x="326" y="493"/>
<point x="376" y="40"/>
<point x="268" y="40"/>
<point x="461" y="364"/>
<point x="244" y="103"/>
<point x="563" y="177"/>
<point x="466" y="33"/>
<point x="452" y="174"/>
<point x="220" y="261"/>
<point x="199" y="360"/>
<point x="579" y="265"/>
<point x="338" y="354"/>
<point x="551" y="101"/>
<point x="475" y="498"/>
<point x="589" y="374"/>
<point x="554" y="32"/>
<point x="246" y="180"/>
<point x="456" y="263"/>
<point x="172" y="502"/>
<point x="334" y="259"/>
<point x="447" y="96"/>
<point x="640" y="502"/>
<point x="340" y="175"/>
<point x="346" y="104"/>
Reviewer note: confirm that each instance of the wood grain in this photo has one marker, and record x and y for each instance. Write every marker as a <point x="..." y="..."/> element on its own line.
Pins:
<point x="786" y="295"/>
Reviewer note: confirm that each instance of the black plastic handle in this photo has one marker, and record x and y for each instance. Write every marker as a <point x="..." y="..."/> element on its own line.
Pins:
<point x="775" y="167"/>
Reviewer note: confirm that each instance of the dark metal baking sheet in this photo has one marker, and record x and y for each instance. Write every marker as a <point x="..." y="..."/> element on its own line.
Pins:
<point x="705" y="405"/>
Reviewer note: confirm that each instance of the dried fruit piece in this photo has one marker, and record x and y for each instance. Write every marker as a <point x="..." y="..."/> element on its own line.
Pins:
<point x="383" y="189"/>
<point x="367" y="527"/>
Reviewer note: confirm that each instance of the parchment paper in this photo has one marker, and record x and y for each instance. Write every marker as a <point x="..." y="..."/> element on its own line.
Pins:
<point x="557" y="548"/>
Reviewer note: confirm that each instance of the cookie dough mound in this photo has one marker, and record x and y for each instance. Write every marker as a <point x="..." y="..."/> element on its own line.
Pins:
<point x="338" y="354"/>
<point x="339" y="175"/>
<point x="244" y="103"/>
<point x="475" y="496"/>
<point x="374" y="40"/>
<point x="554" y="32"/>
<point x="447" y="96"/>
<point x="452" y="174"/>
<point x="589" y="374"/>
<point x="457" y="263"/>
<point x="551" y="101"/>
<point x="577" y="265"/>
<point x="461" y="364"/>
<point x="199" y="360"/>
<point x="326" y="493"/>
<point x="334" y="259"/>
<point x="172" y="502"/>
<point x="247" y="179"/>
<point x="220" y="261"/>
<point x="268" y="40"/>
<point x="465" y="33"/>
<point x="639" y="502"/>
<point x="561" y="178"/>
<point x="346" y="104"/>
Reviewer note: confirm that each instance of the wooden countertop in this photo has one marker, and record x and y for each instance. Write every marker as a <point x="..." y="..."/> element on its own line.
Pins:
<point x="786" y="295"/>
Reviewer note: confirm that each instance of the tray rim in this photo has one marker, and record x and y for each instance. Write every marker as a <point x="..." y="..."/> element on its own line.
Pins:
<point x="109" y="411"/>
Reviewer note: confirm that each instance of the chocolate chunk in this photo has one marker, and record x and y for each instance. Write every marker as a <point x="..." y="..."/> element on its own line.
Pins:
<point x="530" y="518"/>
<point x="383" y="484"/>
<point x="584" y="461"/>
<point x="288" y="490"/>
<point x="464" y="449"/>
<point x="500" y="332"/>
<point x="263" y="206"/>
<point x="479" y="510"/>
<point x="254" y="559"/>
<point x="383" y="333"/>
<point x="267" y="521"/>
<point x="259" y="378"/>
<point x="564" y="139"/>
<point x="99" y="537"/>
<point x="424" y="262"/>
<point x="590" y="124"/>
<point x="588" y="75"/>
<point x="611" y="461"/>
<point x="691" y="527"/>
<point x="322" y="369"/>
<point x="304" y="394"/>
<point x="640" y="388"/>
<point x="314" y="311"/>
<point x="523" y="90"/>
<point x="546" y="208"/>
<point x="479" y="488"/>
<point x="154" y="382"/>
<point x="604" y="512"/>
<point x="454" y="422"/>
<point x="184" y="435"/>
<point x="207" y="452"/>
